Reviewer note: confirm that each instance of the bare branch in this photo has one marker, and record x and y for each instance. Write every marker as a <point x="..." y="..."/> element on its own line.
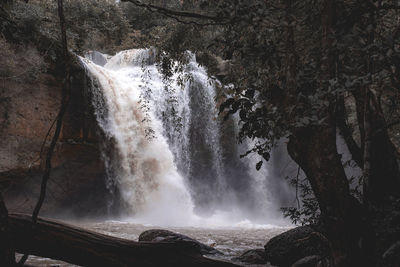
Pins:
<point x="346" y="133"/>
<point x="177" y="15"/>
<point x="297" y="187"/>
<point x="63" y="109"/>
<point x="390" y="7"/>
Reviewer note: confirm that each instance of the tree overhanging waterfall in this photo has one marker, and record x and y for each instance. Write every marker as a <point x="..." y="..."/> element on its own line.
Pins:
<point x="167" y="154"/>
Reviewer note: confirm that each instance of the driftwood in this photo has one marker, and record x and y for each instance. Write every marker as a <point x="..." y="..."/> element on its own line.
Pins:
<point x="56" y="240"/>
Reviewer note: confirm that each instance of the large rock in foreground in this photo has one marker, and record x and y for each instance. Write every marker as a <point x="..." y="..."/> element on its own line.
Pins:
<point x="159" y="235"/>
<point x="289" y="247"/>
<point x="252" y="256"/>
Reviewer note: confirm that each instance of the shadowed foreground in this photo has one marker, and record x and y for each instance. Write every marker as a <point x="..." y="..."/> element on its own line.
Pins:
<point x="56" y="240"/>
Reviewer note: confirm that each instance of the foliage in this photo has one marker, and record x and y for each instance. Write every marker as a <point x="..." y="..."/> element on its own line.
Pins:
<point x="307" y="210"/>
<point x="96" y="25"/>
<point x="92" y="25"/>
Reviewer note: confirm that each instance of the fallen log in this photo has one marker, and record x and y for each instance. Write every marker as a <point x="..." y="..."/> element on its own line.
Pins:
<point x="60" y="241"/>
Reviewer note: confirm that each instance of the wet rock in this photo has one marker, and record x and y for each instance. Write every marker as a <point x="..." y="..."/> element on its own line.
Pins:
<point x="295" y="244"/>
<point x="159" y="235"/>
<point x="309" y="261"/>
<point x="97" y="58"/>
<point x="392" y="254"/>
<point x="252" y="256"/>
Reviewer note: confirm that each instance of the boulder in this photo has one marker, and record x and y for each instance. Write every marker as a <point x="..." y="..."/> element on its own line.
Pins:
<point x="159" y="235"/>
<point x="287" y="248"/>
<point x="252" y="256"/>
<point x="392" y="254"/>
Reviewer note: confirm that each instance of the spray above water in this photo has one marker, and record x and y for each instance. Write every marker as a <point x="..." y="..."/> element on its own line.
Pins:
<point x="167" y="154"/>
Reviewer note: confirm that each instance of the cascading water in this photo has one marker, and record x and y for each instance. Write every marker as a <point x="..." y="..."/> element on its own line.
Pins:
<point x="171" y="158"/>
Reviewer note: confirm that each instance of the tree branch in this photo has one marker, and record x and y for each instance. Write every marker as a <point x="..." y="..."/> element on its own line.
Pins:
<point x="297" y="187"/>
<point x="345" y="131"/>
<point x="63" y="108"/>
<point x="389" y="7"/>
<point x="367" y="149"/>
<point x="177" y="15"/>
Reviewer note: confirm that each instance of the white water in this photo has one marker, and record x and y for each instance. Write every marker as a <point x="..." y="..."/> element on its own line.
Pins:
<point x="167" y="160"/>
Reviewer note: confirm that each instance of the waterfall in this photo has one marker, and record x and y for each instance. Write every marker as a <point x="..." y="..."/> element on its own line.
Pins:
<point x="169" y="157"/>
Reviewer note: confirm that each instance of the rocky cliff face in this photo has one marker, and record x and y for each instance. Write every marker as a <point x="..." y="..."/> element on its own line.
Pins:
<point x="27" y="112"/>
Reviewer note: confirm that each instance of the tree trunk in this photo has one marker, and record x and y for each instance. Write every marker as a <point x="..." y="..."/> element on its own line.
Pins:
<point x="346" y="132"/>
<point x="71" y="244"/>
<point x="384" y="176"/>
<point x="384" y="171"/>
<point x="314" y="149"/>
<point x="381" y="173"/>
